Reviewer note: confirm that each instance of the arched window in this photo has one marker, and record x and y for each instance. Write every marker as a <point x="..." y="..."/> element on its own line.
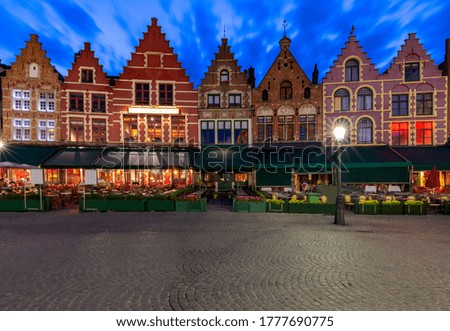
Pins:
<point x="352" y="70"/>
<point x="224" y="76"/>
<point x="286" y="90"/>
<point x="307" y="93"/>
<point x="365" y="131"/>
<point x="365" y="99"/>
<point x="265" y="95"/>
<point x="341" y="100"/>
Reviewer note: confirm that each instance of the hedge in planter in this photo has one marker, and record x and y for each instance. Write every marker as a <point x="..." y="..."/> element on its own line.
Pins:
<point x="190" y="203"/>
<point x="393" y="207"/>
<point x="249" y="204"/>
<point x="415" y="207"/>
<point x="303" y="207"/>
<point x="113" y="202"/>
<point x="159" y="202"/>
<point x="368" y="207"/>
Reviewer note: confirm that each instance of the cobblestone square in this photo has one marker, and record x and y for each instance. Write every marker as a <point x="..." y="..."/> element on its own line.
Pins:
<point x="219" y="260"/>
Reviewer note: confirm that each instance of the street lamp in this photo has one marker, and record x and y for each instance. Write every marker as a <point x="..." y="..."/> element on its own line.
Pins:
<point x="339" y="135"/>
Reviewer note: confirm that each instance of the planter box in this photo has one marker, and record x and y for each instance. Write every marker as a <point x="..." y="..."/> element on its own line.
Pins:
<point x="277" y="208"/>
<point x="160" y="205"/>
<point x="188" y="206"/>
<point x="312" y="208"/>
<point x="446" y="208"/>
<point x="392" y="209"/>
<point x="367" y="209"/>
<point x="112" y="205"/>
<point x="19" y="205"/>
<point x="415" y="209"/>
<point x="249" y="207"/>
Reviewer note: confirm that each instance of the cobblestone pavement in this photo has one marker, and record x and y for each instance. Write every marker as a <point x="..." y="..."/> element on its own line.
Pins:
<point x="220" y="260"/>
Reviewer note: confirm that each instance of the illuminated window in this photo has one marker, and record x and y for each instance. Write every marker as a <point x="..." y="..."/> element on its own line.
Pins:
<point x="21" y="129"/>
<point x="46" y="130"/>
<point x="154" y="133"/>
<point x="424" y="133"/>
<point x="178" y="130"/>
<point x="76" y="129"/>
<point x="21" y="100"/>
<point x="130" y="128"/>
<point x="47" y="101"/>
<point x="341" y="100"/>
<point x="241" y="132"/>
<point x="214" y="100"/>
<point x="234" y="100"/>
<point x="399" y="132"/>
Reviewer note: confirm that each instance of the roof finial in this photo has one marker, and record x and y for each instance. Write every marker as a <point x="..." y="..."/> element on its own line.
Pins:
<point x="352" y="31"/>
<point x="224" y="32"/>
<point x="284" y="27"/>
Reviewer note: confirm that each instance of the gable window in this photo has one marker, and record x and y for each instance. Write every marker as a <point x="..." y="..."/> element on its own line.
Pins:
<point x="142" y="93"/>
<point x="341" y="100"/>
<point x="87" y="75"/>
<point x="265" y="127"/>
<point x="400" y="105"/>
<point x="166" y="94"/>
<point x="307" y="127"/>
<point x="265" y="95"/>
<point x="286" y="90"/>
<point x="99" y="131"/>
<point x="424" y="104"/>
<point x="178" y="129"/>
<point x="21" y="100"/>
<point x="365" y="131"/>
<point x="76" y="102"/>
<point x="234" y="100"/>
<point x="224" y="76"/>
<point x="154" y="132"/>
<point x="365" y="99"/>
<point x="47" y="101"/>
<point x="286" y="127"/>
<point x="207" y="132"/>
<point x="98" y="103"/>
<point x="214" y="100"/>
<point x="424" y="133"/>
<point x="412" y="72"/>
<point x="352" y="71"/>
<point x="399" y="132"/>
<point x="76" y="129"/>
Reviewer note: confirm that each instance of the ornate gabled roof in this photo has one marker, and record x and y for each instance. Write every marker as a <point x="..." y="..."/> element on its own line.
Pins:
<point x="86" y="58"/>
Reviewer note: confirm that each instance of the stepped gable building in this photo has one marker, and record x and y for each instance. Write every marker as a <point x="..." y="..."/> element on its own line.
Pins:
<point x="224" y="101"/>
<point x="3" y="68"/>
<point x="352" y="96"/>
<point x="414" y="99"/>
<point x="31" y="98"/>
<point x="153" y="100"/>
<point x="86" y="101"/>
<point x="287" y="104"/>
<point x="405" y="106"/>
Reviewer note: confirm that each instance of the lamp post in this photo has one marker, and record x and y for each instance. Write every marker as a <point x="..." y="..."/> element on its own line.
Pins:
<point x="339" y="135"/>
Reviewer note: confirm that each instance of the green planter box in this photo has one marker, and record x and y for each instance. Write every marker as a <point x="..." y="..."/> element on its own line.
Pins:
<point x="367" y="209"/>
<point x="160" y="205"/>
<point x="446" y="208"/>
<point x="249" y="207"/>
<point x="312" y="208"/>
<point x="392" y="209"/>
<point x="415" y="209"/>
<point x="112" y="205"/>
<point x="12" y="205"/>
<point x="189" y="206"/>
<point x="277" y="208"/>
<point x="19" y="205"/>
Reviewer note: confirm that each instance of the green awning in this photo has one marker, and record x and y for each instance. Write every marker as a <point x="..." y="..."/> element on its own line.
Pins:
<point x="25" y="155"/>
<point x="73" y="158"/>
<point x="216" y="158"/>
<point x="372" y="165"/>
<point x="312" y="159"/>
<point x="424" y="158"/>
<point x="273" y="177"/>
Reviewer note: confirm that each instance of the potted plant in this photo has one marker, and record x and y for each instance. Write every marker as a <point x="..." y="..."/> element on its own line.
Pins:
<point x="319" y="206"/>
<point x="391" y="207"/>
<point x="275" y="205"/>
<point x="415" y="207"/>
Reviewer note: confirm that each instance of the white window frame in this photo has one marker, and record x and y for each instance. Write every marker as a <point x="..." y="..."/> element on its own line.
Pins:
<point x="22" y="130"/>
<point x="21" y="100"/>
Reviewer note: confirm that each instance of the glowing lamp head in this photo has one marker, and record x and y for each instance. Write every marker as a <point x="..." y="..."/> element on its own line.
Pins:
<point x="339" y="133"/>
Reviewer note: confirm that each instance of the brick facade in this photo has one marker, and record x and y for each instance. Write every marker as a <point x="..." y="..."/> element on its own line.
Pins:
<point x="31" y="98"/>
<point x="287" y="104"/>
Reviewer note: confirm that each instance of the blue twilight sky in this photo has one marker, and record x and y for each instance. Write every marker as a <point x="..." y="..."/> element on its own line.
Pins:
<point x="318" y="29"/>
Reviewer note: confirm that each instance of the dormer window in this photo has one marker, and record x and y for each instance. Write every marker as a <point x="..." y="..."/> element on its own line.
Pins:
<point x="224" y="76"/>
<point x="87" y="75"/>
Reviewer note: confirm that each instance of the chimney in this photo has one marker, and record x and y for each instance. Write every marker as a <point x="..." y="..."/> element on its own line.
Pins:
<point x="154" y="22"/>
<point x="87" y="46"/>
<point x="251" y="76"/>
<point x="315" y="75"/>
